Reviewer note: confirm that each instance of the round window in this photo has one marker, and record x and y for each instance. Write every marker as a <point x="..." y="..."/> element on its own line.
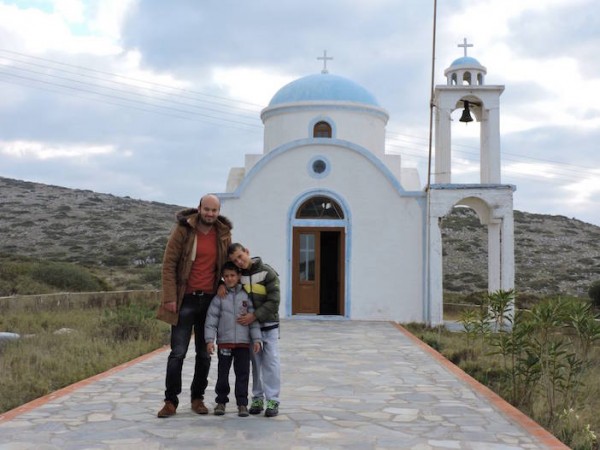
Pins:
<point x="319" y="166"/>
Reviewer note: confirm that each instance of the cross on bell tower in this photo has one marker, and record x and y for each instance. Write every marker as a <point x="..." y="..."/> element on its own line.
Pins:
<point x="464" y="45"/>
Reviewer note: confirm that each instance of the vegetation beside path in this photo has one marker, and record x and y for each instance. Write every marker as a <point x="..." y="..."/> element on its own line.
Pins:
<point x="544" y="360"/>
<point x="59" y="347"/>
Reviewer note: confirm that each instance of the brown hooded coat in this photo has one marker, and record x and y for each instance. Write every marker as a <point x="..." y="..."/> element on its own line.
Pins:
<point x="179" y="257"/>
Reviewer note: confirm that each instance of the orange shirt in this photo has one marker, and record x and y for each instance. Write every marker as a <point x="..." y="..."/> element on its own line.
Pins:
<point x="204" y="267"/>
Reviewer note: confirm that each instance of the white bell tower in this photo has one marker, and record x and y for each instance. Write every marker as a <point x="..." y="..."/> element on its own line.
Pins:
<point x="493" y="202"/>
<point x="465" y="88"/>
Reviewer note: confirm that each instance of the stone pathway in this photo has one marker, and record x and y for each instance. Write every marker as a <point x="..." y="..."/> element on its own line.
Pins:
<point x="346" y="385"/>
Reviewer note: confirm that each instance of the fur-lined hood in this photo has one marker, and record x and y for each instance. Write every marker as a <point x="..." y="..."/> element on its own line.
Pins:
<point x="190" y="217"/>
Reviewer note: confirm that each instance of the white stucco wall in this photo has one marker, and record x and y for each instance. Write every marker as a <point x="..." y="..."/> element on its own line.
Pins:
<point x="384" y="237"/>
<point x="362" y="125"/>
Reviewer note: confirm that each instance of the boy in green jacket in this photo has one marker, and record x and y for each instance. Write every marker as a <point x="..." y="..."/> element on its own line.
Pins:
<point x="261" y="282"/>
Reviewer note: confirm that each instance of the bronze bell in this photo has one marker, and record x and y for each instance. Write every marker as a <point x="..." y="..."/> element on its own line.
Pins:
<point x="466" y="114"/>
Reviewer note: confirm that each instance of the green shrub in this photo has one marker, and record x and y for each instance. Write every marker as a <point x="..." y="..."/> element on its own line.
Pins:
<point x="66" y="276"/>
<point x="129" y="322"/>
<point x="594" y="293"/>
<point x="152" y="274"/>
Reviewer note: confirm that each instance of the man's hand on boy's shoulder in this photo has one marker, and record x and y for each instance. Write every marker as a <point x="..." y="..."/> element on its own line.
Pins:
<point x="221" y="291"/>
<point x="246" y="319"/>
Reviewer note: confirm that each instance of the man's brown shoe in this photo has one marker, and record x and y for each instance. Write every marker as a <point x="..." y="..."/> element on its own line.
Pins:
<point x="168" y="410"/>
<point x="198" y="406"/>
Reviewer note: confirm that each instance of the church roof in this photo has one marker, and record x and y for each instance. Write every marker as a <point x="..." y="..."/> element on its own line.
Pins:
<point x="323" y="86"/>
<point x="465" y="61"/>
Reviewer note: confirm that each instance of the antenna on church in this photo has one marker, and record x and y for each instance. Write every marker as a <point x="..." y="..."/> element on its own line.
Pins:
<point x="427" y="311"/>
<point x="325" y="58"/>
<point x="431" y="98"/>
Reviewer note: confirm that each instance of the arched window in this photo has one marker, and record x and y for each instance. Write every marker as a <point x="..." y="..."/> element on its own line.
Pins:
<point x="467" y="78"/>
<point x="320" y="207"/>
<point x="322" y="130"/>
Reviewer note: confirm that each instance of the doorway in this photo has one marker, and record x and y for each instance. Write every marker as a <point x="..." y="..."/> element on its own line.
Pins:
<point x="318" y="271"/>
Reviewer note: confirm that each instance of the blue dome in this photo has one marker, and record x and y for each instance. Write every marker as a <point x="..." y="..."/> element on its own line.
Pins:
<point x="323" y="86"/>
<point x="465" y="60"/>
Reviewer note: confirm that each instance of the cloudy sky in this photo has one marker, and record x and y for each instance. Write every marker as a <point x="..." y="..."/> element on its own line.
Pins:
<point x="157" y="100"/>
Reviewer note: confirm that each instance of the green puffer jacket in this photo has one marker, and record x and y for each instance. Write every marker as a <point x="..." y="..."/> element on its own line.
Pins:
<point x="261" y="282"/>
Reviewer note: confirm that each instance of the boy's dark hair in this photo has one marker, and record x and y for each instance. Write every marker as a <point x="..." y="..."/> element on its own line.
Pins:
<point x="234" y="248"/>
<point x="230" y="266"/>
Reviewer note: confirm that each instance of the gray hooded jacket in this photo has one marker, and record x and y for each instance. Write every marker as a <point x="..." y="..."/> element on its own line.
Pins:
<point x="221" y="319"/>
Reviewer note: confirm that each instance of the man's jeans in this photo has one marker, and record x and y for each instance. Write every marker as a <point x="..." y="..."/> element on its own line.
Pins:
<point x="191" y="317"/>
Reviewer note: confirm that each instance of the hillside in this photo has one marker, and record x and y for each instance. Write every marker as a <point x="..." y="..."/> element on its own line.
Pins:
<point x="553" y="254"/>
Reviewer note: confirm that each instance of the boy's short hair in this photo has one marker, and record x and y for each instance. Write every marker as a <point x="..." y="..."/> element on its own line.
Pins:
<point x="230" y="266"/>
<point x="234" y="248"/>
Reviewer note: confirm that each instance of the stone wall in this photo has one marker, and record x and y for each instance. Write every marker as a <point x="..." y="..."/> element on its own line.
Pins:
<point x="68" y="300"/>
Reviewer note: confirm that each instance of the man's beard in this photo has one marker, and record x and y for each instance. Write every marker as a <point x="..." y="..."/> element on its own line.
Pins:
<point x="204" y="222"/>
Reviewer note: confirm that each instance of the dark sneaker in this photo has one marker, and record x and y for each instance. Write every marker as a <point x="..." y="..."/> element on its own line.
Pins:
<point x="168" y="410"/>
<point x="272" y="408"/>
<point x="199" y="407"/>
<point x="256" y="407"/>
<point x="243" y="411"/>
<point x="220" y="409"/>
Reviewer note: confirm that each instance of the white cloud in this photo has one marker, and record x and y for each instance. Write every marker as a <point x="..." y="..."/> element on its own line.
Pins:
<point x="72" y="11"/>
<point x="108" y="17"/>
<point x="531" y="170"/>
<point x="43" y="151"/>
<point x="489" y="23"/>
<point x="585" y="191"/>
<point x="66" y="28"/>
<point x="249" y="84"/>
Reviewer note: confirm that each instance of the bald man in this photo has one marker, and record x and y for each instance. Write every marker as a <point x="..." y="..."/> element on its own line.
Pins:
<point x="195" y="253"/>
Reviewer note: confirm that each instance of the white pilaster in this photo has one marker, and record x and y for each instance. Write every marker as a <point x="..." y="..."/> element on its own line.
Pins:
<point x="494" y="256"/>
<point x="436" y="291"/>
<point x="443" y="138"/>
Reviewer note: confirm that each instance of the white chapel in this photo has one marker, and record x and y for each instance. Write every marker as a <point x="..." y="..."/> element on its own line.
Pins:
<point x="351" y="232"/>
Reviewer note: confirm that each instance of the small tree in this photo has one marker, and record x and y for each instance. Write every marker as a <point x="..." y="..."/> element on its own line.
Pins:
<point x="594" y="293"/>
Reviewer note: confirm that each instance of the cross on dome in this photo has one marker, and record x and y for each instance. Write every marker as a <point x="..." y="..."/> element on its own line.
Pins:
<point x="325" y="58"/>
<point x="464" y="45"/>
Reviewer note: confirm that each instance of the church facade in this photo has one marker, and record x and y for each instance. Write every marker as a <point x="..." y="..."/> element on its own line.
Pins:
<point x="351" y="232"/>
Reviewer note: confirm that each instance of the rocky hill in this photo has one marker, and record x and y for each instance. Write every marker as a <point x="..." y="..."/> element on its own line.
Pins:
<point x="553" y="254"/>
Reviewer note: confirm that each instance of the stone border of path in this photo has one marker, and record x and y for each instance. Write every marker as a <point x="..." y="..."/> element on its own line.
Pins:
<point x="534" y="428"/>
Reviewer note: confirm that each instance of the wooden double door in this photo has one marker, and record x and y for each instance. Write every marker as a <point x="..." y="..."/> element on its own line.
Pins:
<point x="318" y="271"/>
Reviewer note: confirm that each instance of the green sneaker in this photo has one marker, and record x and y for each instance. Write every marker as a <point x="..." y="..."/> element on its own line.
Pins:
<point x="272" y="408"/>
<point x="256" y="406"/>
<point x="220" y="409"/>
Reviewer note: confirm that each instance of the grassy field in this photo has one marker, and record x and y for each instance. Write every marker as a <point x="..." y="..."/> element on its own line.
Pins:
<point x="60" y="347"/>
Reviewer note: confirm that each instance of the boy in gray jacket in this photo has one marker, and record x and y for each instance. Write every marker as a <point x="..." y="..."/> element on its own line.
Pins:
<point x="233" y="340"/>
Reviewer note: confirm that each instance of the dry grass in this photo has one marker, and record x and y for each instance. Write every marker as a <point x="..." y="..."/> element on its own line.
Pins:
<point x="90" y="341"/>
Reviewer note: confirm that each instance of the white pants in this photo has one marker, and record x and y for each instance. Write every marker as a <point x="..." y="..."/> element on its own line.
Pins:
<point x="266" y="378"/>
